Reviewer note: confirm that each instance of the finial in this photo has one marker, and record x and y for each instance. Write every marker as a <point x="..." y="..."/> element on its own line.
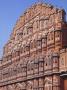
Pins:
<point x="40" y="1"/>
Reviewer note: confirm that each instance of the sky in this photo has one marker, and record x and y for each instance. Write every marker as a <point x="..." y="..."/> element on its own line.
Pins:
<point x="10" y="10"/>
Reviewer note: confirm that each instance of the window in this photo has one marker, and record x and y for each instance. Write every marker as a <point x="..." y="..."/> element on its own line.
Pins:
<point x="46" y="63"/>
<point x="24" y="49"/>
<point x="37" y="24"/>
<point x="62" y="61"/>
<point x="36" y="82"/>
<point x="41" y="64"/>
<point x="24" y="69"/>
<point x="27" y="47"/>
<point x="41" y="24"/>
<point x="48" y="87"/>
<point x="14" y="71"/>
<point x="34" y="44"/>
<point x="28" y="67"/>
<point x="21" y="50"/>
<point x="13" y="55"/>
<point x="19" y="69"/>
<point x="38" y="42"/>
<point x="55" y="60"/>
<point x="31" y="45"/>
<point x="44" y="40"/>
<point x="20" y="35"/>
<point x="48" y="37"/>
<point x="30" y="30"/>
<point x="17" y="53"/>
<point x="41" y="88"/>
<point x="25" y="31"/>
<point x="52" y="35"/>
<point x="36" y="64"/>
<point x="57" y="36"/>
<point x="9" y="57"/>
<point x="50" y="62"/>
<point x="45" y="23"/>
<point x="41" y="82"/>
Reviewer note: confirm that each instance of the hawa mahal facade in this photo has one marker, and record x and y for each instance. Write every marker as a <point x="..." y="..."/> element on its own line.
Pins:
<point x="35" y="56"/>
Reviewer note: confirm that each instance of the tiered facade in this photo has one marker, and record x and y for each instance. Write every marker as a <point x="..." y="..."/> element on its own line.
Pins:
<point x="35" y="56"/>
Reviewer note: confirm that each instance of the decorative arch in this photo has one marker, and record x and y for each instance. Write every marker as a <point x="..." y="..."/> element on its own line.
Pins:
<point x="29" y="85"/>
<point x="48" y="83"/>
<point x="20" y="86"/>
<point x="10" y="87"/>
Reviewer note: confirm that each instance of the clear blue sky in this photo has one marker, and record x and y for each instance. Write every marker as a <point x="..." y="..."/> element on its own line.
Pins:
<point x="10" y="10"/>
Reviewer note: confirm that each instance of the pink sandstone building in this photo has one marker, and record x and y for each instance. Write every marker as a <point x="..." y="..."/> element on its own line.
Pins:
<point x="35" y="56"/>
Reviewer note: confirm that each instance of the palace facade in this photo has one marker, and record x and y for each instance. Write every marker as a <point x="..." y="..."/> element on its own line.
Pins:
<point x="35" y="56"/>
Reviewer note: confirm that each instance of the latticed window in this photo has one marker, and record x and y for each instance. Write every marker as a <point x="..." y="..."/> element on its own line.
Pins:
<point x="43" y="40"/>
<point x="30" y="30"/>
<point x="20" y="34"/>
<point x="6" y="58"/>
<point x="62" y="61"/>
<point x="27" y="47"/>
<point x="40" y="64"/>
<point x="46" y="62"/>
<point x="13" y="55"/>
<point x="41" y="88"/>
<point x="51" y="20"/>
<point x="28" y="66"/>
<point x="21" y="50"/>
<point x="17" y="53"/>
<point x="25" y="31"/>
<point x="37" y="24"/>
<point x="32" y="65"/>
<point x="15" y="70"/>
<point x="24" y="69"/>
<point x="19" y="67"/>
<point x="9" y="57"/>
<point x="34" y="44"/>
<point x="48" y="87"/>
<point x="41" y="82"/>
<point x="55" y="60"/>
<point x="57" y="35"/>
<point x="48" y="37"/>
<point x="36" y="65"/>
<point x="38" y="42"/>
<point x="24" y="49"/>
<point x="5" y="73"/>
<point x="41" y="24"/>
<point x="56" y="88"/>
<point x="36" y="84"/>
<point x="50" y="62"/>
<point x="46" y="23"/>
<point x="10" y="71"/>
<point x="52" y="35"/>
<point x="31" y="45"/>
